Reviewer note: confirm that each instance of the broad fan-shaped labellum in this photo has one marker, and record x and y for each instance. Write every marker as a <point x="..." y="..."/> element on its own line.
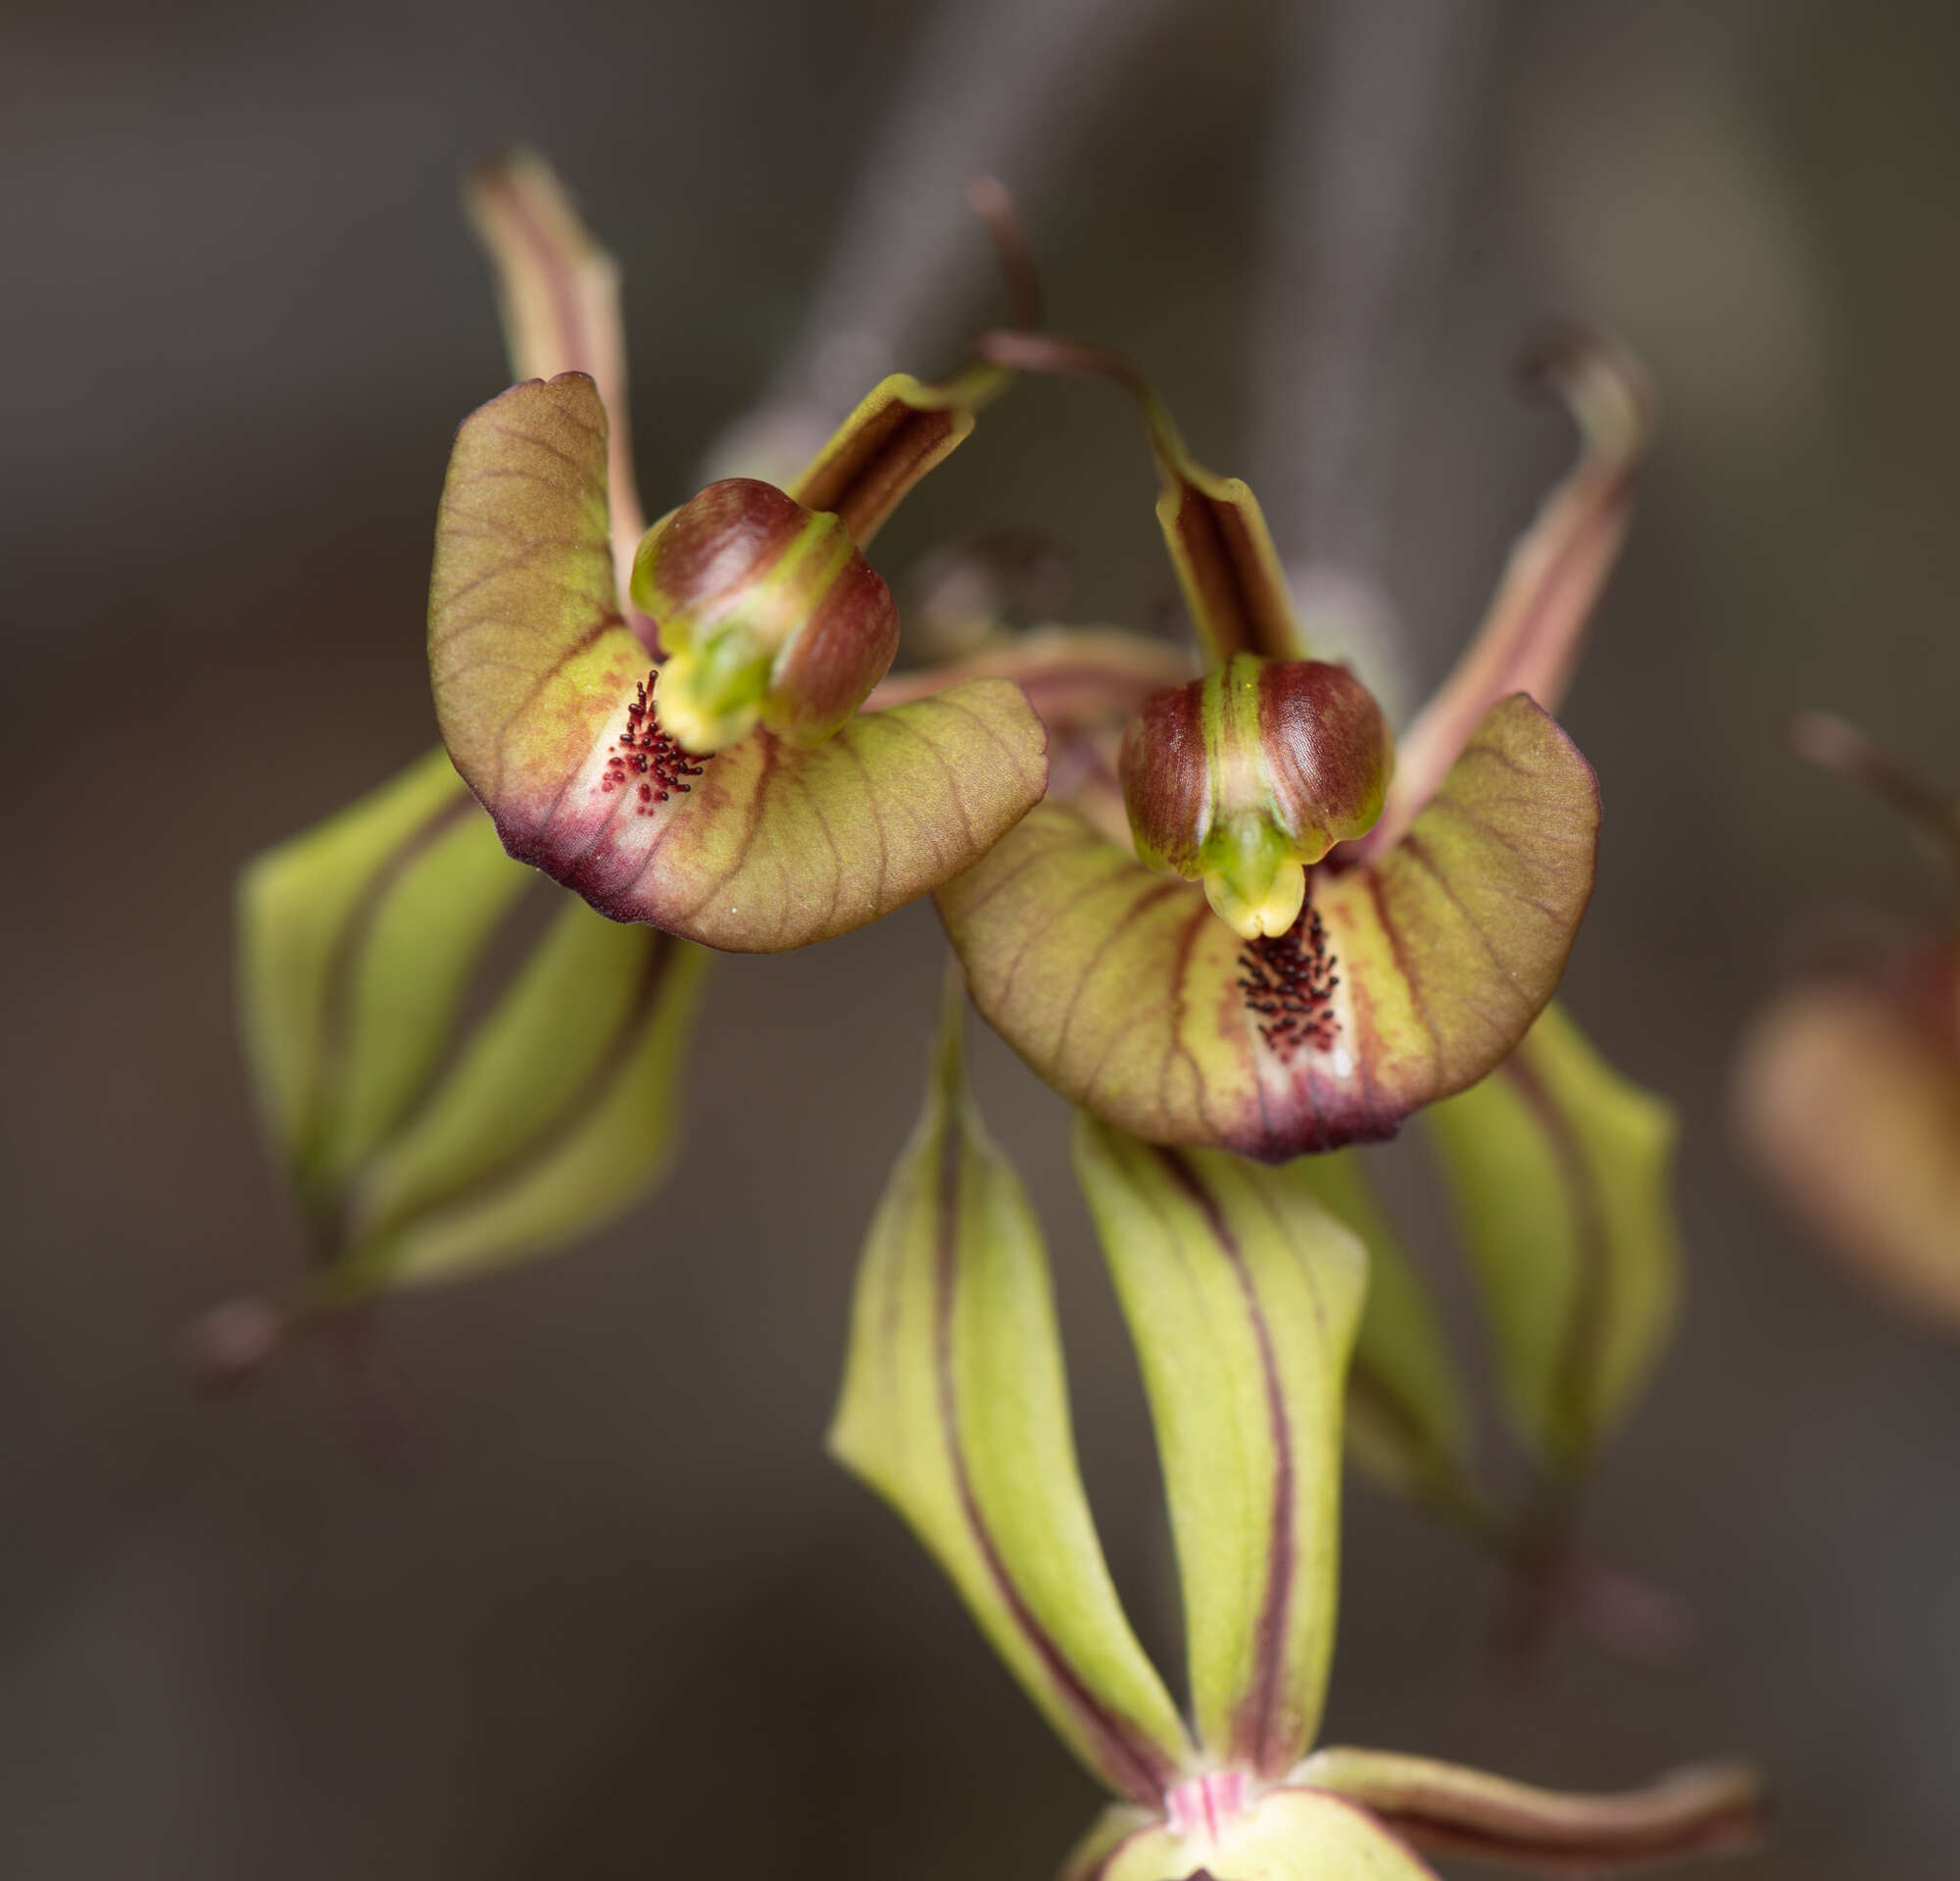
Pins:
<point x="1241" y="1293"/>
<point x="811" y="824"/>
<point x="1211" y="1008"/>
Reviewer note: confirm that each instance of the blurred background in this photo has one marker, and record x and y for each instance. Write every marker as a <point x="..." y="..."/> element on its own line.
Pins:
<point x="622" y="1618"/>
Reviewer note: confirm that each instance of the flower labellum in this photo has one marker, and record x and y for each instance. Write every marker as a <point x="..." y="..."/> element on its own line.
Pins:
<point x="770" y="614"/>
<point x="1243" y="779"/>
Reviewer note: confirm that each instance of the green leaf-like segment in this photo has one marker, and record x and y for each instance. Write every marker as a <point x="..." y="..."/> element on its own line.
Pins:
<point x="541" y="690"/>
<point x="1122" y="990"/>
<point x="1559" y="1172"/>
<point x="418" y="1154"/>
<point x="954" y="1408"/>
<point x="1242" y="1294"/>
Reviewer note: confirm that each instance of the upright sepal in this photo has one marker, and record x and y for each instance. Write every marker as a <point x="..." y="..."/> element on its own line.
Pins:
<point x="1402" y="982"/>
<point x="954" y="1408"/>
<point x="558" y="293"/>
<point x="1535" y="627"/>
<point x="547" y="707"/>
<point x="1242" y="1294"/>
<point x="1560" y="1178"/>
<point x="1213" y="525"/>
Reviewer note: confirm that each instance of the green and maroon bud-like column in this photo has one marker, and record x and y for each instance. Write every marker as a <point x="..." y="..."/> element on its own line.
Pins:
<point x="768" y="613"/>
<point x="1245" y="779"/>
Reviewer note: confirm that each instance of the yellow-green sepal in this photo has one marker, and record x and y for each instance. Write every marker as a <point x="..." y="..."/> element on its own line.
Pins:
<point x="1241" y="1293"/>
<point x="561" y="1111"/>
<point x="355" y="943"/>
<point x="954" y="1408"/>
<point x="1560" y="1178"/>
<point x="422" y="1146"/>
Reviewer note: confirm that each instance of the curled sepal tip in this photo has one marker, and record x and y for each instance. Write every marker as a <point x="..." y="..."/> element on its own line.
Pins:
<point x="1213" y="525"/>
<point x="549" y="709"/>
<point x="1402" y="982"/>
<point x="1242" y="1294"/>
<point x="1533" y="629"/>
<point x="954" y="1408"/>
<point x="1245" y="779"/>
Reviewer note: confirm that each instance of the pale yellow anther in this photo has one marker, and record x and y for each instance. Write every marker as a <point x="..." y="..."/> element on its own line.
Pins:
<point x="1270" y="910"/>
<point x="692" y="721"/>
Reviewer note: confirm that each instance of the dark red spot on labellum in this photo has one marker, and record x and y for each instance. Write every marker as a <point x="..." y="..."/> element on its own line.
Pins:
<point x="645" y="749"/>
<point x="1287" y="981"/>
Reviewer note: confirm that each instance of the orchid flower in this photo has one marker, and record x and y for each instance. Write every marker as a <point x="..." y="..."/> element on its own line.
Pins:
<point x="1848" y="1089"/>
<point x="1298" y="939"/>
<point x="1242" y="1294"/>
<point x="424" y="1143"/>
<point x="698" y="758"/>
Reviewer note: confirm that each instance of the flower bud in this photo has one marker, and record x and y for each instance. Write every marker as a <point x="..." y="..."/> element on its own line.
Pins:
<point x="1243" y="779"/>
<point x="767" y="613"/>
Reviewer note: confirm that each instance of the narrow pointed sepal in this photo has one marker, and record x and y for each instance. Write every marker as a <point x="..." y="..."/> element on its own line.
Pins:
<point x="1534" y="628"/>
<point x="1453" y="1810"/>
<point x="1561" y="1180"/>
<point x="1241" y="1293"/>
<point x="422" y="1147"/>
<point x="548" y="707"/>
<point x="559" y="292"/>
<point x="1406" y="982"/>
<point x="954" y="1408"/>
<point x="1270" y="1835"/>
<point x="1213" y="525"/>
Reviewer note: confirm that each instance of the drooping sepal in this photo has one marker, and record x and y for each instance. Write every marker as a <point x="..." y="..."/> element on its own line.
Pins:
<point x="1453" y="1810"/>
<point x="1242" y="778"/>
<point x="1560" y="1178"/>
<point x="768" y="613"/>
<point x="549" y="709"/>
<point x="422" y="1147"/>
<point x="1402" y="982"/>
<point x="954" y="1408"/>
<point x="1242" y="1294"/>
